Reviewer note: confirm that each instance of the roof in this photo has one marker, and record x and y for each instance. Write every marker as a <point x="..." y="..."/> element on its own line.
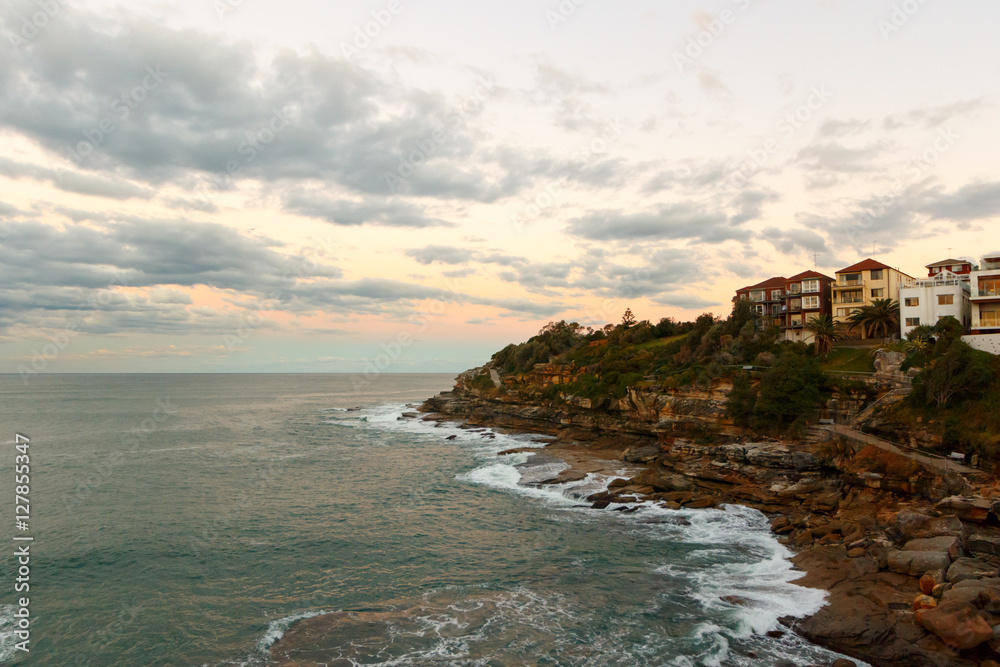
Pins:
<point x="949" y="262"/>
<point x="865" y="265"/>
<point x="775" y="283"/>
<point x="805" y="275"/>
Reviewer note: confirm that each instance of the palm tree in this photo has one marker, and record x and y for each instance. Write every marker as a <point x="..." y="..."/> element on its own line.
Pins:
<point x="825" y="332"/>
<point x="881" y="318"/>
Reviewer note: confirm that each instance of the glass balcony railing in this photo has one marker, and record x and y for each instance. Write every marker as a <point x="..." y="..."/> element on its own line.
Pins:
<point x="850" y="283"/>
<point x="991" y="319"/>
<point x="990" y="291"/>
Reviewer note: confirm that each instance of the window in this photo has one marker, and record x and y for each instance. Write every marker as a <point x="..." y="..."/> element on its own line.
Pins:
<point x="912" y="301"/>
<point x="989" y="287"/>
<point x="794" y="288"/>
<point x="845" y="312"/>
<point x="775" y="309"/>
<point x="776" y="294"/>
<point x="757" y="296"/>
<point x="989" y="316"/>
<point x="878" y="293"/>
<point x="850" y="279"/>
<point x="946" y="299"/>
<point x="913" y="321"/>
<point x="759" y="309"/>
<point x="810" y="302"/>
<point x="877" y="274"/>
<point x="810" y="285"/>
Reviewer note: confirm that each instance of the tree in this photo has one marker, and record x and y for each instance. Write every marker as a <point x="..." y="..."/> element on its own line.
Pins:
<point x="789" y="391"/>
<point x="741" y="400"/>
<point x="628" y="319"/>
<point x="826" y="332"/>
<point x="880" y="319"/>
<point x="961" y="371"/>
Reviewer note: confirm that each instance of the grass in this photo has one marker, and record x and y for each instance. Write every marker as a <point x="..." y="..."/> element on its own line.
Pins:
<point x="658" y="342"/>
<point x="852" y="360"/>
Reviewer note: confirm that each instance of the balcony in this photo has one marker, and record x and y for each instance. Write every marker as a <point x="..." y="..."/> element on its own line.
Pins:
<point x="849" y="302"/>
<point x="990" y="319"/>
<point x="989" y="291"/>
<point x="990" y="264"/>
<point x="849" y="283"/>
<point x="793" y="308"/>
<point x="795" y="325"/>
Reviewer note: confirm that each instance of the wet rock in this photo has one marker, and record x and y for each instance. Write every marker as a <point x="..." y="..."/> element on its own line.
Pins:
<point x="663" y="480"/>
<point x="451" y="437"/>
<point x="701" y="502"/>
<point x="641" y="454"/>
<point x="957" y="624"/>
<point x="615" y="483"/>
<point x="844" y="662"/>
<point x="970" y="568"/>
<point x="779" y="523"/>
<point x="566" y="476"/>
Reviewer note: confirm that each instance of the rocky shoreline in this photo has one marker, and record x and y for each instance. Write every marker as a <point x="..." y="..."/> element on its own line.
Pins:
<point x="911" y="562"/>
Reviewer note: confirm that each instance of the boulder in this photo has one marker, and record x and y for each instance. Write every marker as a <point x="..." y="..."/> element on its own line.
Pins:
<point x="661" y="480"/>
<point x="968" y="508"/>
<point x="929" y="581"/>
<point x="701" y="502"/>
<point x="970" y="568"/>
<point x="912" y="524"/>
<point x="950" y="544"/>
<point x="984" y="544"/>
<point x="957" y="624"/>
<point x="641" y="454"/>
<point x="916" y="563"/>
<point x="982" y="597"/>
<point x="923" y="602"/>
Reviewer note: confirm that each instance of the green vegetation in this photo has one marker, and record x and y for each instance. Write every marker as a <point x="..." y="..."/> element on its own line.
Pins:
<point x="849" y="360"/>
<point x="878" y="320"/>
<point x="957" y="391"/>
<point x="956" y="394"/>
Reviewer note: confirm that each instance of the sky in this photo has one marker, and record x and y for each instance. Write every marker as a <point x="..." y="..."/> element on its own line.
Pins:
<point x="409" y="185"/>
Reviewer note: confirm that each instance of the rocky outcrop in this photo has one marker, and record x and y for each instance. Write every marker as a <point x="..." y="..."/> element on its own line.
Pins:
<point x="911" y="582"/>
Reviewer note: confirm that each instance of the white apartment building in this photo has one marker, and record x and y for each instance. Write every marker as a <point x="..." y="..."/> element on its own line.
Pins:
<point x="924" y="302"/>
<point x="985" y="283"/>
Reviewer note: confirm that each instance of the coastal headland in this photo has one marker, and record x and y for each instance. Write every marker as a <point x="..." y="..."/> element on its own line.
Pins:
<point x="908" y="552"/>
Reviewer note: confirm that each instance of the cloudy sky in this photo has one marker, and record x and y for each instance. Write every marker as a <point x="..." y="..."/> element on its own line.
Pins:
<point x="244" y="185"/>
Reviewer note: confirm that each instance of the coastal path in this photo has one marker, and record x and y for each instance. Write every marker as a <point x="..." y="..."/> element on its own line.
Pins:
<point x="941" y="463"/>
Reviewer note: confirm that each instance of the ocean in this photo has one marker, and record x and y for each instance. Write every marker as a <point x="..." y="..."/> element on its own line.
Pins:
<point x="193" y="519"/>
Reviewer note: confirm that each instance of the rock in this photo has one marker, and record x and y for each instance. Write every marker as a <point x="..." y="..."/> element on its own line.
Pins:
<point x="615" y="483"/>
<point x="984" y="544"/>
<point x="987" y="599"/>
<point x="451" y="437"/>
<point x="600" y="504"/>
<point x="568" y="475"/>
<point x="736" y="600"/>
<point x="844" y="662"/>
<point x="968" y="508"/>
<point x="950" y="544"/>
<point x="912" y="524"/>
<point x="857" y="552"/>
<point x="641" y="454"/>
<point x="927" y="583"/>
<point x="780" y="522"/>
<point x="923" y="602"/>
<point x="970" y="568"/>
<point x="775" y="634"/>
<point x="663" y="480"/>
<point x="803" y="539"/>
<point x="916" y="563"/>
<point x="957" y="624"/>
<point x="701" y="502"/>
<point x="939" y="591"/>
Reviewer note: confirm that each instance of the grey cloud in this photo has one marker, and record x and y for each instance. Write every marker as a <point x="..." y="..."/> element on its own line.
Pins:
<point x="675" y="221"/>
<point x="833" y="156"/>
<point x="386" y="213"/>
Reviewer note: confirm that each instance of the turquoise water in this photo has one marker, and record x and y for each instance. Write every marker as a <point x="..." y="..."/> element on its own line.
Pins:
<point x="246" y="502"/>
